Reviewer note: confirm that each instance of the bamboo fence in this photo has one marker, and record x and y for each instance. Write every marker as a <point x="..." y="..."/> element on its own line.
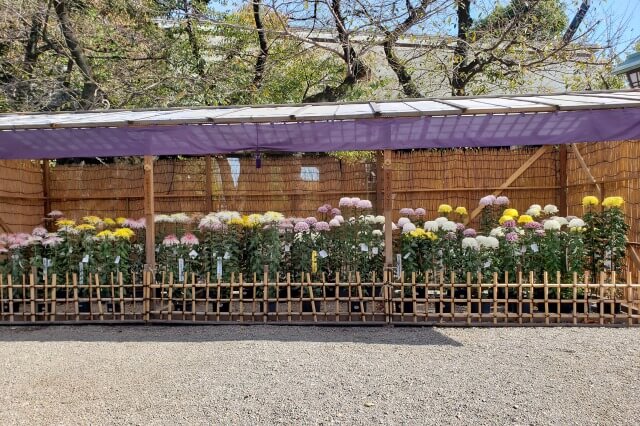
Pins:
<point x="347" y="300"/>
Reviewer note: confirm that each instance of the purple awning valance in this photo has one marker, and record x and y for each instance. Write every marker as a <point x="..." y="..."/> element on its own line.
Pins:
<point x="489" y="130"/>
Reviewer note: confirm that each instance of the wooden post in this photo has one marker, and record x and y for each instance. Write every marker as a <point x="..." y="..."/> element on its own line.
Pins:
<point x="562" y="177"/>
<point x="208" y="184"/>
<point x="388" y="210"/>
<point x="584" y="166"/>
<point x="46" y="186"/>
<point x="149" y="213"/>
<point x="379" y="182"/>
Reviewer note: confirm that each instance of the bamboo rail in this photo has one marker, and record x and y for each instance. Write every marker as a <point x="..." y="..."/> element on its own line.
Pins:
<point x="345" y="299"/>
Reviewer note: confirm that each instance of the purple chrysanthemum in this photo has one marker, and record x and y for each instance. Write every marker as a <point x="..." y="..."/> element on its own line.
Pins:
<point x="502" y="201"/>
<point x="301" y="227"/>
<point x="487" y="201"/>
<point x="364" y="204"/>
<point x="509" y="224"/>
<point x="406" y="211"/>
<point x="420" y="212"/>
<point x="460" y="226"/>
<point x="321" y="226"/>
<point x="533" y="225"/>
<point x="470" y="232"/>
<point x="512" y="237"/>
<point x="311" y="220"/>
<point x="335" y="211"/>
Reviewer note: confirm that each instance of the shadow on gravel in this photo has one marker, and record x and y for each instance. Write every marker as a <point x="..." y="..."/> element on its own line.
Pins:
<point x="91" y="333"/>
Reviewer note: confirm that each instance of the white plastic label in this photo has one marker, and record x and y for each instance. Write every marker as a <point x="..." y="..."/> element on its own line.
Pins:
<point x="399" y="265"/>
<point x="181" y="269"/>
<point x="85" y="259"/>
<point x="81" y="273"/>
<point x="323" y="254"/>
<point x="219" y="268"/>
<point x="227" y="255"/>
<point x="534" y="248"/>
<point x="364" y="247"/>
<point x="45" y="265"/>
<point x="487" y="264"/>
<point x="193" y="254"/>
<point x="375" y="250"/>
<point x="287" y="248"/>
<point x="406" y="256"/>
<point x="117" y="261"/>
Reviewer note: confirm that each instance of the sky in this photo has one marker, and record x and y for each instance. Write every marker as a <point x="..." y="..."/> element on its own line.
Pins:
<point x="616" y="13"/>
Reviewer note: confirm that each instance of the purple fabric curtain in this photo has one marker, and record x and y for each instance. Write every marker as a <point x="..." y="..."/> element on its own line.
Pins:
<point x="490" y="130"/>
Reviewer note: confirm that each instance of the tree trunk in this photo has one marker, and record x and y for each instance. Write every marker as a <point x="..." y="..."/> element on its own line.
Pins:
<point x="261" y="62"/>
<point x="461" y="51"/>
<point x="90" y="91"/>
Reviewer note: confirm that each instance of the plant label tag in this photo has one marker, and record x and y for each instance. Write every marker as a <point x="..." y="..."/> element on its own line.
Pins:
<point x="193" y="254"/>
<point x="45" y="266"/>
<point x="219" y="268"/>
<point x="399" y="265"/>
<point x="523" y="249"/>
<point x="364" y="247"/>
<point x="181" y="269"/>
<point x="534" y="248"/>
<point x="158" y="249"/>
<point x="85" y="259"/>
<point x="487" y="264"/>
<point x="70" y="250"/>
<point x="287" y="248"/>
<point x="227" y="255"/>
<point x="406" y="256"/>
<point x="323" y="254"/>
<point x="81" y="273"/>
<point x="117" y="261"/>
<point x="375" y="250"/>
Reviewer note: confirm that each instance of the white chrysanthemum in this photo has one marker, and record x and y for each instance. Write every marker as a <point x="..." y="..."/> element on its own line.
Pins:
<point x="334" y="223"/>
<point x="380" y="219"/>
<point x="550" y="209"/>
<point x="272" y="217"/>
<point x="226" y="216"/>
<point x="576" y="223"/>
<point x="408" y="227"/>
<point x="492" y="242"/>
<point x="533" y="212"/>
<point x="370" y="219"/>
<point x="552" y="225"/>
<point x="403" y="220"/>
<point x="440" y="220"/>
<point x="561" y="220"/>
<point x="339" y="218"/>
<point x="497" y="232"/>
<point x="449" y="226"/>
<point x="377" y="233"/>
<point x="471" y="243"/>
<point x="431" y="225"/>
<point x="162" y="218"/>
<point x="180" y="218"/>
<point x="535" y="207"/>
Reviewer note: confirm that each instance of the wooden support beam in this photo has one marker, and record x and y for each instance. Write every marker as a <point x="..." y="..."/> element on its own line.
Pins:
<point x="46" y="187"/>
<point x="584" y="166"/>
<point x="562" y="177"/>
<point x="542" y="150"/>
<point x="379" y="206"/>
<point x="149" y="213"/>
<point x="208" y="184"/>
<point x="388" y="209"/>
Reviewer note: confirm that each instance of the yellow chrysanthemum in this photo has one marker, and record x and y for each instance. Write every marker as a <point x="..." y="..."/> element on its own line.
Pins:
<point x="590" y="200"/>
<point x="505" y="218"/>
<point x="577" y="229"/>
<point x="271" y="216"/>
<point x="109" y="222"/>
<point x="124" y="233"/>
<point x="418" y="233"/>
<point x="431" y="236"/>
<point x="510" y="212"/>
<point x="236" y="221"/>
<point x="613" y="202"/>
<point x="444" y="208"/>
<point x="254" y="219"/>
<point x="462" y="211"/>
<point x="65" y="222"/>
<point x="92" y="220"/>
<point x="85" y="227"/>
<point x="104" y="235"/>
<point x="121" y="220"/>
<point x="525" y="218"/>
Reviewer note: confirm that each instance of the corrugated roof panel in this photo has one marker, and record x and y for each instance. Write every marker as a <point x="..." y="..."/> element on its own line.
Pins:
<point x="433" y="108"/>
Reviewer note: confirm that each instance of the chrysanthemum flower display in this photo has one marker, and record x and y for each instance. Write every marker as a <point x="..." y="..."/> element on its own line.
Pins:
<point x="444" y="209"/>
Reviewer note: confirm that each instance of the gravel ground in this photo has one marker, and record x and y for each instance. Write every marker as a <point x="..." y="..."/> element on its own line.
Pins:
<point x="318" y="375"/>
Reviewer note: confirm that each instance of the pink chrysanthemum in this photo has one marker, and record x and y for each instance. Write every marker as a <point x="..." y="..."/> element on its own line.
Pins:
<point x="170" y="240"/>
<point x="335" y="211"/>
<point x="533" y="225"/>
<point x="311" y="220"/>
<point x="345" y="202"/>
<point x="509" y="224"/>
<point x="39" y="231"/>
<point x="406" y="211"/>
<point x="323" y="209"/>
<point x="189" y="239"/>
<point x="420" y="212"/>
<point x="512" y="237"/>
<point x="502" y="201"/>
<point x="460" y="226"/>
